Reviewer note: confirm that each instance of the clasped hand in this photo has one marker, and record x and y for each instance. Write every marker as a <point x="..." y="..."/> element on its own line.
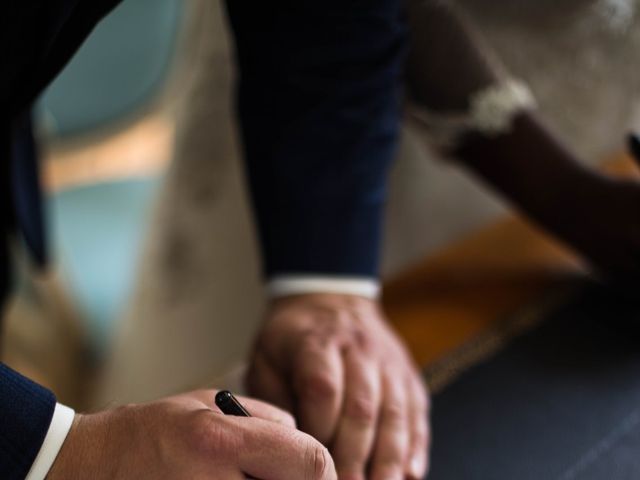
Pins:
<point x="335" y="363"/>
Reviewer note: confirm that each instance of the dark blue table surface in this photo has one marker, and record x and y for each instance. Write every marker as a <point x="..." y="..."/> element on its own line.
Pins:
<point x="561" y="402"/>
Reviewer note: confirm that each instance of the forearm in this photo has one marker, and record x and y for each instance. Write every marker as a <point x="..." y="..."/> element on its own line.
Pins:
<point x="319" y="104"/>
<point x="448" y="61"/>
<point x="530" y="168"/>
<point x="450" y="67"/>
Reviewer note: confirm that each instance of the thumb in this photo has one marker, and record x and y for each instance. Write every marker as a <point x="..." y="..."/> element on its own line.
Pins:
<point x="269" y="450"/>
<point x="633" y="141"/>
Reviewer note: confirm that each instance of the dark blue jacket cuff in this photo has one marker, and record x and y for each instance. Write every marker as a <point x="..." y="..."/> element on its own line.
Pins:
<point x="26" y="410"/>
<point x="319" y="104"/>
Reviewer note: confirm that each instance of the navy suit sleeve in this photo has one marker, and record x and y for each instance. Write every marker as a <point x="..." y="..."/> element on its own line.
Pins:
<point x="319" y="104"/>
<point x="26" y="410"/>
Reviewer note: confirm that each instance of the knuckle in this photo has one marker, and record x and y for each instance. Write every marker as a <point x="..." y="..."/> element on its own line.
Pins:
<point x="287" y="419"/>
<point x="211" y="437"/>
<point x="319" y="462"/>
<point x="394" y="413"/>
<point x="318" y="385"/>
<point x="420" y="435"/>
<point x="350" y="475"/>
<point x="391" y="461"/>
<point x="362" y="339"/>
<point x="388" y="472"/>
<point x="314" y="342"/>
<point x="361" y="409"/>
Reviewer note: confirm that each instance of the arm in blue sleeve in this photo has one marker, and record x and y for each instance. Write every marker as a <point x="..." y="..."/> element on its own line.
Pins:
<point x="26" y="410"/>
<point x="319" y="101"/>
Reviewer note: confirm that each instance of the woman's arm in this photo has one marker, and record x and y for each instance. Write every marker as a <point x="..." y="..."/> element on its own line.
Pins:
<point x="449" y="66"/>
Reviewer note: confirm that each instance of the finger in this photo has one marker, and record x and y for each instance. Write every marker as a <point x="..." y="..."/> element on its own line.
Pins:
<point x="267" y="412"/>
<point x="206" y="397"/>
<point x="418" y="417"/>
<point x="392" y="444"/>
<point x="264" y="381"/>
<point x="221" y="474"/>
<point x="272" y="452"/>
<point x="318" y="383"/>
<point x="355" y="433"/>
<point x="255" y="407"/>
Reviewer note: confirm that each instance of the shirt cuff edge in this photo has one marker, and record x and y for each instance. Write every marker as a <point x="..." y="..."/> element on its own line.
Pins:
<point x="286" y="285"/>
<point x="59" y="428"/>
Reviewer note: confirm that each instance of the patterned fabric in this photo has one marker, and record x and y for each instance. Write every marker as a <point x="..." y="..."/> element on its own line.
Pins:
<point x="25" y="413"/>
<point x="319" y="103"/>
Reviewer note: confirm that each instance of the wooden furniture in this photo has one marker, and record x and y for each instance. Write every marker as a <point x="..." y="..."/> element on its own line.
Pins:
<point x="466" y="289"/>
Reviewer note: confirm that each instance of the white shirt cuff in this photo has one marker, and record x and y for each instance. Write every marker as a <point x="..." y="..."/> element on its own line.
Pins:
<point x="285" y="285"/>
<point x="56" y="435"/>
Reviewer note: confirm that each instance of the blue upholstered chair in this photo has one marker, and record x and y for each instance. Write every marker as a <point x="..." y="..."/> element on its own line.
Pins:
<point x="97" y="228"/>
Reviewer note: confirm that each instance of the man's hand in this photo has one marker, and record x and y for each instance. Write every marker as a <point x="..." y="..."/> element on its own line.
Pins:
<point x="186" y="437"/>
<point x="333" y="361"/>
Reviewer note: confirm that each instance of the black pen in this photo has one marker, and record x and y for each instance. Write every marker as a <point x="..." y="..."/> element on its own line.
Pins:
<point x="229" y="405"/>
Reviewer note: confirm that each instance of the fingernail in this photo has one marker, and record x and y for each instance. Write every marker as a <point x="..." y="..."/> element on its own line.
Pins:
<point x="417" y="466"/>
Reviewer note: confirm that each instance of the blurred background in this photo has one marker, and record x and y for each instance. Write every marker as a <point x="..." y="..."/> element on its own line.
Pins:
<point x="154" y="286"/>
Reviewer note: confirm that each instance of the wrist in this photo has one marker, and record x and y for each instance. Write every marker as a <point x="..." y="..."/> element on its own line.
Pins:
<point x="334" y="301"/>
<point x="88" y="451"/>
<point x="288" y="285"/>
<point x="529" y="165"/>
<point x="77" y="455"/>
